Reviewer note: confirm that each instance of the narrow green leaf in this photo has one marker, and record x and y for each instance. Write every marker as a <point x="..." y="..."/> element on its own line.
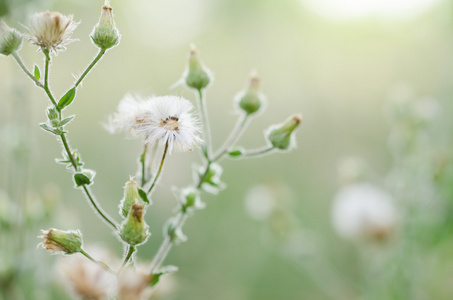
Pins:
<point x="37" y="73"/>
<point x="81" y="179"/>
<point x="66" y="99"/>
<point x="66" y="120"/>
<point x="143" y="195"/>
<point x="46" y="127"/>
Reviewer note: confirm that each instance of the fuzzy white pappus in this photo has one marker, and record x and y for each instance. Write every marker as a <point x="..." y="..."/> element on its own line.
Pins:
<point x="165" y="119"/>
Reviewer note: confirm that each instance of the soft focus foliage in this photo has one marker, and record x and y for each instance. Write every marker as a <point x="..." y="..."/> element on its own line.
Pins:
<point x="375" y="87"/>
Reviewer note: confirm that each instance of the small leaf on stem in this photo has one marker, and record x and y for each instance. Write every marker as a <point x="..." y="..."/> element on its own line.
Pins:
<point x="81" y="179"/>
<point x="67" y="99"/>
<point x="143" y="195"/>
<point x="37" y="73"/>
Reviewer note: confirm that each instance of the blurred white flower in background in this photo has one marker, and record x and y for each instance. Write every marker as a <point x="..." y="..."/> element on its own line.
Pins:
<point x="86" y="279"/>
<point x="259" y="202"/>
<point x="363" y="211"/>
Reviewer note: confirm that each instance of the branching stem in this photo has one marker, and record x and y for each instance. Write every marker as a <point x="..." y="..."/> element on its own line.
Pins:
<point x="130" y="251"/>
<point x="90" y="66"/>
<point x="98" y="262"/>
<point x="160" y="168"/>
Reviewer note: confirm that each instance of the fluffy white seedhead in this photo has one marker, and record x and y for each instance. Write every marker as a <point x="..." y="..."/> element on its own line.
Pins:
<point x="166" y="119"/>
<point x="363" y="211"/>
<point x="51" y="30"/>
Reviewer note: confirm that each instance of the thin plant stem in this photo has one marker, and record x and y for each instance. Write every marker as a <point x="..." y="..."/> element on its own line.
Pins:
<point x="130" y="251"/>
<point x="241" y="125"/>
<point x="258" y="152"/>
<point x="143" y="164"/>
<point x="160" y="168"/>
<point x="96" y="206"/>
<point x="46" y="79"/>
<point x="98" y="262"/>
<point x="179" y="221"/>
<point x="69" y="152"/>
<point x="24" y="68"/>
<point x="168" y="242"/>
<point x="66" y="146"/>
<point x="90" y="66"/>
<point x="205" y="121"/>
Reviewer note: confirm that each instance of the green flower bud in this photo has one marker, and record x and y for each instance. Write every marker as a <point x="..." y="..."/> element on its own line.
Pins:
<point x="190" y="199"/>
<point x="251" y="100"/>
<point x="131" y="196"/>
<point x="105" y="34"/>
<point x="134" y="230"/>
<point x="280" y="136"/>
<point x="60" y="241"/>
<point x="10" y="39"/>
<point x="52" y="114"/>
<point x="197" y="75"/>
<point x="175" y="233"/>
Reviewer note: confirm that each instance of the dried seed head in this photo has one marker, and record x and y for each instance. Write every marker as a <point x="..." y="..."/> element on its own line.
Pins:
<point x="51" y="30"/>
<point x="60" y="241"/>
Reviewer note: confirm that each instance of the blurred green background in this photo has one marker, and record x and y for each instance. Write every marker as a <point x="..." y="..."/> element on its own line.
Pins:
<point x="336" y="69"/>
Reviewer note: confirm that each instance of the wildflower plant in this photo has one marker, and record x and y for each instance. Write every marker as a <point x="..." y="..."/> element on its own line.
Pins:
<point x="163" y="123"/>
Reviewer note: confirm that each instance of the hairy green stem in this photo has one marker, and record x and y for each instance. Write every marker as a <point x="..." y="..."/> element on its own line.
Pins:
<point x="205" y="121"/>
<point x="24" y="68"/>
<point x="160" y="168"/>
<point x="130" y="251"/>
<point x="46" y="79"/>
<point x="66" y="146"/>
<point x="143" y="164"/>
<point x="90" y="66"/>
<point x="241" y="125"/>
<point x="98" y="262"/>
<point x="259" y="151"/>
<point x="168" y="242"/>
<point x="96" y="206"/>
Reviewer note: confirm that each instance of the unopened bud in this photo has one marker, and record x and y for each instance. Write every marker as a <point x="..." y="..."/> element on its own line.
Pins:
<point x="134" y="230"/>
<point x="281" y="136"/>
<point x="251" y="100"/>
<point x="197" y="75"/>
<point x="52" y="114"/>
<point x="105" y="34"/>
<point x="10" y="39"/>
<point x="60" y="241"/>
<point x="131" y="196"/>
<point x="190" y="199"/>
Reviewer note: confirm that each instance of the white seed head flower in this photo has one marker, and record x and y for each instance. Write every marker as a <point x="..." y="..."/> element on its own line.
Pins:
<point x="166" y="119"/>
<point x="52" y="30"/>
<point x="364" y="211"/>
